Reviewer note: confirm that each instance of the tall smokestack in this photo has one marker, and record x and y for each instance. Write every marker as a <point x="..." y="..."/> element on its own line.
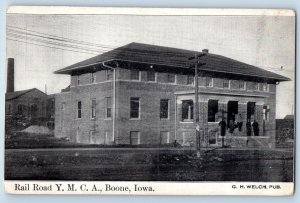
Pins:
<point x="10" y="75"/>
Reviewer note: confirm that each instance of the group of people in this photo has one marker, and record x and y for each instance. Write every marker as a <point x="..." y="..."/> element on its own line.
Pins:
<point x="254" y="127"/>
<point x="232" y="125"/>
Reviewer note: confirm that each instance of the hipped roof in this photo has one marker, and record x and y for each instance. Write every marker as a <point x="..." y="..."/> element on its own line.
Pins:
<point x="173" y="58"/>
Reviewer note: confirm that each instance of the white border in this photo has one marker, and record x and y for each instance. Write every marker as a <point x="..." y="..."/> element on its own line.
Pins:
<point x="63" y="10"/>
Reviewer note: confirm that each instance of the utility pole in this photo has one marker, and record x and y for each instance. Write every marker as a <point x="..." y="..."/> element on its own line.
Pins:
<point x="196" y="107"/>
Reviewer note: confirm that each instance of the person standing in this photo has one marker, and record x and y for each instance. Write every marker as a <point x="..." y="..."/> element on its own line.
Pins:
<point x="240" y="122"/>
<point x="231" y="125"/>
<point x="255" y="128"/>
<point x="249" y="130"/>
<point x="222" y="125"/>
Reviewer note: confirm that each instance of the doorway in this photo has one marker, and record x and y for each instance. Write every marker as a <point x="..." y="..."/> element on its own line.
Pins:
<point x="250" y="111"/>
<point x="232" y="111"/>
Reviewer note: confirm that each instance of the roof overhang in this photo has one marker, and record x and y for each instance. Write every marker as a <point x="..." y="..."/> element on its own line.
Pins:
<point x="160" y="67"/>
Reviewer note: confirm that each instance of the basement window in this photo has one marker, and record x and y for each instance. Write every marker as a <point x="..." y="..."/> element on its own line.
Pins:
<point x="134" y="137"/>
<point x="92" y="137"/>
<point x="187" y="110"/>
<point x="212" y="110"/>
<point x="164" y="137"/>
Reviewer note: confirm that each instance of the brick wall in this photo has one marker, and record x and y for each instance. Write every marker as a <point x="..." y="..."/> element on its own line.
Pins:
<point x="150" y="93"/>
<point x="33" y="97"/>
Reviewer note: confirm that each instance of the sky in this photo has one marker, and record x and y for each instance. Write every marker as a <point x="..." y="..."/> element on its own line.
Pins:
<point x="264" y="41"/>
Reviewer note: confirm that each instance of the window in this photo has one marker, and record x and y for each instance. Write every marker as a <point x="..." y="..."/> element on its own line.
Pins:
<point x="241" y="85"/>
<point x="79" y="109"/>
<point x="266" y="111"/>
<point x="226" y="83"/>
<point x="63" y="106"/>
<point x="92" y="137"/>
<point x="212" y="137"/>
<point x="265" y="87"/>
<point x="108" y="137"/>
<point x="77" y="136"/>
<point x="151" y="76"/>
<point x="254" y="86"/>
<point x="93" y="77"/>
<point x="134" y="74"/>
<point x="209" y="82"/>
<point x="164" y="108"/>
<point x="78" y="79"/>
<point x="33" y="110"/>
<point x="134" y="107"/>
<point x="212" y="110"/>
<point x="108" y="107"/>
<point x="20" y="109"/>
<point x="187" y="110"/>
<point x="93" y="108"/>
<point x="164" y="137"/>
<point x="9" y="109"/>
<point x="134" y="137"/>
<point x="250" y="111"/>
<point x="171" y="78"/>
<point x="63" y="109"/>
<point x="108" y="74"/>
<point x="190" y="80"/>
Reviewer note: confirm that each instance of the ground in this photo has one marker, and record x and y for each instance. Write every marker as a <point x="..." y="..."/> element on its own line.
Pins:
<point x="127" y="164"/>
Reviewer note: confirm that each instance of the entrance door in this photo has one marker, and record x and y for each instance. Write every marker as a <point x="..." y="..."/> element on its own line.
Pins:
<point x="232" y="110"/>
<point x="250" y="111"/>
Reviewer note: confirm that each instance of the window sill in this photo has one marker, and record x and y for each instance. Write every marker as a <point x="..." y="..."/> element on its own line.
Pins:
<point x="186" y="121"/>
<point x="107" y="119"/>
<point x="134" y="119"/>
<point x="164" y="119"/>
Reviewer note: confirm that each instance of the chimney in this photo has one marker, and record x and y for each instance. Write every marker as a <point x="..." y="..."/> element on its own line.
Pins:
<point x="205" y="51"/>
<point x="10" y="87"/>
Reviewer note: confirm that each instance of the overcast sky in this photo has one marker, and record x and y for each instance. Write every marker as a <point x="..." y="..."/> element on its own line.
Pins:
<point x="264" y="41"/>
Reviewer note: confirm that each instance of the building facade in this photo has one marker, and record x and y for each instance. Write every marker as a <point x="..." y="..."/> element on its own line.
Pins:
<point x="31" y="104"/>
<point x="145" y="94"/>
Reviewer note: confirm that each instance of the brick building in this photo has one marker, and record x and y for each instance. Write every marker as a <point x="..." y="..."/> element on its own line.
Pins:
<point x="144" y="94"/>
<point x="31" y="103"/>
<point x="29" y="106"/>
